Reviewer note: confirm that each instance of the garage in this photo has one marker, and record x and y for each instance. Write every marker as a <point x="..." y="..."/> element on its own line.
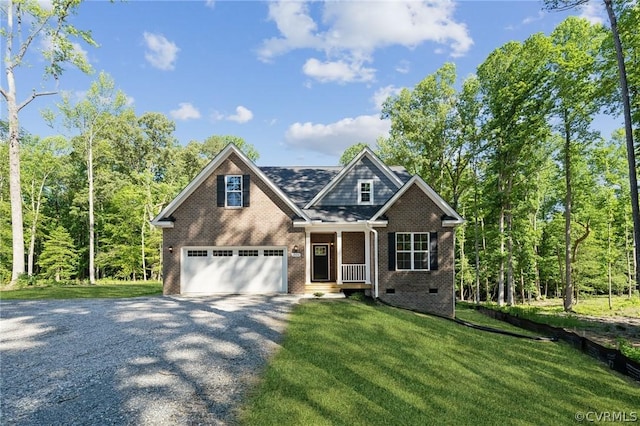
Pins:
<point x="233" y="270"/>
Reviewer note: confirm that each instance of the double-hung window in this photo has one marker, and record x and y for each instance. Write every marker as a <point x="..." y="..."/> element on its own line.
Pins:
<point x="412" y="251"/>
<point x="233" y="191"/>
<point x="365" y="191"/>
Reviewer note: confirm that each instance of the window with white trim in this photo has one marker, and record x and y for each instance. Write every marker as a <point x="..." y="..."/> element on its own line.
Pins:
<point x="233" y="191"/>
<point x="412" y="251"/>
<point x="365" y="191"/>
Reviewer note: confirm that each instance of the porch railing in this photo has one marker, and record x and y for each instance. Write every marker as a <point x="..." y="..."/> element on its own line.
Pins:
<point x="354" y="272"/>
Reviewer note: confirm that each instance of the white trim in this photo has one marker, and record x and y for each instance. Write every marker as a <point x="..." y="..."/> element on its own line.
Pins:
<point x="313" y="247"/>
<point x="412" y="251"/>
<point x="336" y="179"/>
<point x="443" y="205"/>
<point x="307" y="257"/>
<point x="160" y="219"/>
<point x="365" y="203"/>
<point x="226" y="191"/>
<point x="367" y="256"/>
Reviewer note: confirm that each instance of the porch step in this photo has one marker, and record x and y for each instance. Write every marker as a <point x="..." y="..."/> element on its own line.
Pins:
<point x="321" y="288"/>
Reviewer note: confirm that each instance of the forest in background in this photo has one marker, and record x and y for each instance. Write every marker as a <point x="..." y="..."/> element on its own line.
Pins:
<point x="499" y="146"/>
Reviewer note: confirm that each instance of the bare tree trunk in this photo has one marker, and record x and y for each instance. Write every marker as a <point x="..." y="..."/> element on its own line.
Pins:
<point x="609" y="260"/>
<point x="36" y="203"/>
<point x="568" y="287"/>
<point x="510" y="281"/>
<point x="92" y="220"/>
<point x="501" y="261"/>
<point x="144" y="262"/>
<point x="628" y="129"/>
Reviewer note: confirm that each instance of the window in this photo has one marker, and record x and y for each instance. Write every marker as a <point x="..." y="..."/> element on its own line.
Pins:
<point x="248" y="253"/>
<point x="412" y="251"/>
<point x="196" y="253"/>
<point x="278" y="253"/>
<point x="365" y="191"/>
<point x="222" y="253"/>
<point x="233" y="191"/>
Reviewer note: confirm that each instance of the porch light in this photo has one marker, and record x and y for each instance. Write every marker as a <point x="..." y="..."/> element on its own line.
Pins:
<point x="170" y="249"/>
<point x="295" y="249"/>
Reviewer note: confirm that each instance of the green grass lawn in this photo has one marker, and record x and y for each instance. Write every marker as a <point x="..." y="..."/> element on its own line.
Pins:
<point x="101" y="290"/>
<point x="350" y="363"/>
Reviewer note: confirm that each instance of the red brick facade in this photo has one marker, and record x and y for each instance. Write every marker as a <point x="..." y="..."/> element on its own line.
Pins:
<point x="415" y="212"/>
<point x="266" y="222"/>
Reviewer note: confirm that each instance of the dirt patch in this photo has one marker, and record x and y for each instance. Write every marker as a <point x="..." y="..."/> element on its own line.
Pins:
<point x="607" y="330"/>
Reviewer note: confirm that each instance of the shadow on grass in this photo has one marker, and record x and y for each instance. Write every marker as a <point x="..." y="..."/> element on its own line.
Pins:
<point x="346" y="363"/>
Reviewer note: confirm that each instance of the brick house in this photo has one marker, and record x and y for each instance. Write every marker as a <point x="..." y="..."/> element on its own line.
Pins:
<point x="240" y="228"/>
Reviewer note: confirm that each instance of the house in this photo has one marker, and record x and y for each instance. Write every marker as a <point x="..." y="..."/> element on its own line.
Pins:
<point x="240" y="228"/>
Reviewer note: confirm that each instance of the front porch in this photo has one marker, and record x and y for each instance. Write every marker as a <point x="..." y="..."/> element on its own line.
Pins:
<point x="339" y="260"/>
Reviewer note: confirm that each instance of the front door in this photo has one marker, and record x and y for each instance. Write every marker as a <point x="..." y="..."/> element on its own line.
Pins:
<point x="320" y="262"/>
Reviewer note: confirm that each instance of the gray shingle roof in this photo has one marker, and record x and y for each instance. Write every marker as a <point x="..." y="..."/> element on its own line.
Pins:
<point x="301" y="184"/>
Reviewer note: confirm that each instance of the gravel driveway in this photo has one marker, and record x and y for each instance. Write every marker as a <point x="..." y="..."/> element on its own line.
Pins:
<point x="152" y="360"/>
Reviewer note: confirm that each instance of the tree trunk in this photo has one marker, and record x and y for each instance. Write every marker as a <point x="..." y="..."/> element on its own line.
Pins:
<point x="609" y="260"/>
<point x="510" y="280"/>
<point x="631" y="155"/>
<point x="92" y="276"/>
<point x="15" y="193"/>
<point x="568" y="287"/>
<point x="36" y="203"/>
<point x="501" y="261"/>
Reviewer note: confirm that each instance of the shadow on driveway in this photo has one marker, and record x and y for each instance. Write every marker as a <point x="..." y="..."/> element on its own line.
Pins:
<point x="159" y="360"/>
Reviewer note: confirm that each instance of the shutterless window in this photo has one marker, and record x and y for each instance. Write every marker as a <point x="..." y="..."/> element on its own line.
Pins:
<point x="278" y="253"/>
<point x="222" y="253"/>
<point x="412" y="251"/>
<point x="365" y="191"/>
<point x="196" y="253"/>
<point x="233" y="191"/>
<point x="248" y="253"/>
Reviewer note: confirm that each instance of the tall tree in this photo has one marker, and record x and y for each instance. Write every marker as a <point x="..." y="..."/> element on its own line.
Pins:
<point x="25" y="21"/>
<point x="625" y="100"/>
<point x="90" y="117"/>
<point x="576" y="47"/>
<point x="513" y="82"/>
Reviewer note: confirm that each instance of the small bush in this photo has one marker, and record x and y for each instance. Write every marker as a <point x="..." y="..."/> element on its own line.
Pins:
<point x="357" y="295"/>
<point x="628" y="349"/>
<point x="318" y="294"/>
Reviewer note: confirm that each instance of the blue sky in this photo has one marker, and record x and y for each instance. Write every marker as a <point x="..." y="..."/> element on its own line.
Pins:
<point x="301" y="81"/>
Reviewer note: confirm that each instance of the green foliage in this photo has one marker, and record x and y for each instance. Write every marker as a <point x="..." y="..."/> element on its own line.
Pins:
<point x="350" y="153"/>
<point x="59" y="258"/>
<point x="380" y="365"/>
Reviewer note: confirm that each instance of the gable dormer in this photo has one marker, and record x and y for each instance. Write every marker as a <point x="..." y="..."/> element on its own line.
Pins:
<point x="365" y="181"/>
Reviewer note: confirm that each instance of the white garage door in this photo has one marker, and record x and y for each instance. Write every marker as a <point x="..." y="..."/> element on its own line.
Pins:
<point x="234" y="270"/>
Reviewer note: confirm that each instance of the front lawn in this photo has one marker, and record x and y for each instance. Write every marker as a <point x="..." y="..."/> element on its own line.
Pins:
<point x="359" y="364"/>
<point x="110" y="289"/>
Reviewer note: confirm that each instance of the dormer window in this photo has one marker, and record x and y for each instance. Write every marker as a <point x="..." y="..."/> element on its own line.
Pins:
<point x="365" y="191"/>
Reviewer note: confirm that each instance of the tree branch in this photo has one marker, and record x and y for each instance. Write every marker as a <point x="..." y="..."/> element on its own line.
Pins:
<point x="32" y="97"/>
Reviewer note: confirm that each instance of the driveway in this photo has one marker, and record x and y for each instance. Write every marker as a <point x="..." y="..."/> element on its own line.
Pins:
<point x="152" y="360"/>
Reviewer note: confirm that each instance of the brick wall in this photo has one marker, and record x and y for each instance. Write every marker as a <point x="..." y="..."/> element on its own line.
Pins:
<point x="266" y="222"/>
<point x="415" y="212"/>
<point x="353" y="247"/>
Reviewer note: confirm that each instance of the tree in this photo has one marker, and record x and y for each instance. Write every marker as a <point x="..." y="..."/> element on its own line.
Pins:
<point x="626" y="105"/>
<point x="59" y="258"/>
<point x="90" y="117"/>
<point x="350" y="153"/>
<point x="576" y="47"/>
<point x="25" y="21"/>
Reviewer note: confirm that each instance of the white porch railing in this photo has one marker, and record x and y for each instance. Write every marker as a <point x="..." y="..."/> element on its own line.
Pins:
<point x="354" y="272"/>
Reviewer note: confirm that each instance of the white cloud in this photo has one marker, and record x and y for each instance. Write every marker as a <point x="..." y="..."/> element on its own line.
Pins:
<point x="382" y="94"/>
<point x="593" y="12"/>
<point x="185" y="112"/>
<point x="403" y="67"/>
<point x="349" y="32"/>
<point x="334" y="138"/>
<point x="161" y="52"/>
<point x="338" y="71"/>
<point x="210" y="3"/>
<point x="242" y="115"/>
<point x="47" y="47"/>
<point x="530" y="19"/>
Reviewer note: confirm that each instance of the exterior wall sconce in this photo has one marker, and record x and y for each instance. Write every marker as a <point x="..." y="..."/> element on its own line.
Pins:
<point x="295" y="249"/>
<point x="295" y="252"/>
<point x="170" y="249"/>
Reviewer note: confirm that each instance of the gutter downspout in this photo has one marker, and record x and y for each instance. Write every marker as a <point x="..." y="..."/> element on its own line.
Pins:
<point x="376" y="273"/>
